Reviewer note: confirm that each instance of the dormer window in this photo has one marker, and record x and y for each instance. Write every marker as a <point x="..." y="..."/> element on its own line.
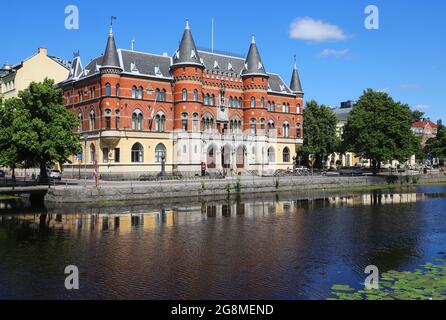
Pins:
<point x="177" y="54"/>
<point x="133" y="68"/>
<point x="282" y="88"/>
<point x="158" y="71"/>
<point x="260" y="66"/>
<point x="230" y="68"/>
<point x="216" y="66"/>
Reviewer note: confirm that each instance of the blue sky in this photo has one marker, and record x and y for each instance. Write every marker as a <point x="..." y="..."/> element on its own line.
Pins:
<point x="337" y="56"/>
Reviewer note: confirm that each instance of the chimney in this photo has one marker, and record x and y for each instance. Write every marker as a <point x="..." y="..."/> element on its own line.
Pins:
<point x="43" y="51"/>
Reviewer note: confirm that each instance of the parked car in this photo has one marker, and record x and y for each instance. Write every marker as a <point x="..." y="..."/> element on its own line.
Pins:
<point x="332" y="173"/>
<point x="2" y="174"/>
<point x="351" y="171"/>
<point x="55" y="175"/>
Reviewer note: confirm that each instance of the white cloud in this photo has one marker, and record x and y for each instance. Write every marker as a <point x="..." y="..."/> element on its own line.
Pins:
<point x="315" y="30"/>
<point x="384" y="90"/>
<point x="333" y="52"/>
<point x="422" y="107"/>
<point x="408" y="86"/>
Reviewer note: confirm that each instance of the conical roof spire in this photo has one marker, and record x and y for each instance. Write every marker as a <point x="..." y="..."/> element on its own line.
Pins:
<point x="187" y="52"/>
<point x="295" y="85"/>
<point x="253" y="63"/>
<point x="111" y="58"/>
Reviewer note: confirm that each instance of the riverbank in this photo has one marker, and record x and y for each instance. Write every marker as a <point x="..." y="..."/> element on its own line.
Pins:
<point x="160" y="191"/>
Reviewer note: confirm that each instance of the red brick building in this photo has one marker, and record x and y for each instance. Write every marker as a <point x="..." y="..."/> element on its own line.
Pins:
<point x="425" y="129"/>
<point x="192" y="108"/>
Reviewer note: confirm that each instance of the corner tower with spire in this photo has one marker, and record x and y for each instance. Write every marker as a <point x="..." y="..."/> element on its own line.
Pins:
<point x="295" y="84"/>
<point x="187" y="71"/>
<point x="255" y="86"/>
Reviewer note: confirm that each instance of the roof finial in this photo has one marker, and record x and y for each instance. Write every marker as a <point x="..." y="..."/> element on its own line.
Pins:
<point x="187" y="24"/>
<point x="111" y="24"/>
<point x="295" y="62"/>
<point x="253" y="39"/>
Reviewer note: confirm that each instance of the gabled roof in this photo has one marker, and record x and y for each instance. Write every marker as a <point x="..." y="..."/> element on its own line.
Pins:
<point x="423" y="124"/>
<point x="187" y="53"/>
<point x="253" y="63"/>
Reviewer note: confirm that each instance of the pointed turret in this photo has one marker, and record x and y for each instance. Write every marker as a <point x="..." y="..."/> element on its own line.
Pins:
<point x="295" y="84"/>
<point x="110" y="59"/>
<point x="187" y="53"/>
<point x="253" y="64"/>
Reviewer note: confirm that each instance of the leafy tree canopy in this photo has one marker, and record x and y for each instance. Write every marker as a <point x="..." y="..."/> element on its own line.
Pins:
<point x="320" y="137"/>
<point x="380" y="129"/>
<point x="38" y="127"/>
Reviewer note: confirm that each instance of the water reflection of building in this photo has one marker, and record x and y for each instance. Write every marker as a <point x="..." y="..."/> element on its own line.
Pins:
<point x="375" y="198"/>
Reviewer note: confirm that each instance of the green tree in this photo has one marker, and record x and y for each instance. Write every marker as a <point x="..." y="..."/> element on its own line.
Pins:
<point x="40" y="127"/>
<point x="417" y="116"/>
<point x="436" y="147"/>
<point x="379" y="129"/>
<point x="320" y="138"/>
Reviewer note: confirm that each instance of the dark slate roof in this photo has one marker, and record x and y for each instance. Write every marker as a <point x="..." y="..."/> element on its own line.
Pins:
<point x="253" y="63"/>
<point x="222" y="63"/>
<point x="295" y="85"/>
<point x="276" y="84"/>
<point x="111" y="58"/>
<point x="342" y="113"/>
<point x="187" y="52"/>
<point x="145" y="63"/>
<point x="93" y="66"/>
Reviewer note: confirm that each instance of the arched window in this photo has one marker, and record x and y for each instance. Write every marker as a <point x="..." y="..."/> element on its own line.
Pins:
<point x="206" y="99"/>
<point x="253" y="102"/>
<point x="157" y="94"/>
<point x="108" y="113"/>
<point x="262" y="124"/>
<point x="235" y="125"/>
<point x="184" y="120"/>
<point x="92" y="153"/>
<point x="184" y="96"/>
<point x="81" y="121"/>
<point x="212" y="101"/>
<point x="134" y="92"/>
<point x="160" y="153"/>
<point x="160" y="122"/>
<point x="262" y="102"/>
<point x="298" y="109"/>
<point x="195" y="95"/>
<point x="108" y="90"/>
<point x="118" y="91"/>
<point x="140" y="89"/>
<point x="286" y="129"/>
<point x="271" y="155"/>
<point x="286" y="154"/>
<point x="299" y="130"/>
<point x="137" y="118"/>
<point x="240" y="102"/>
<point x="117" y="119"/>
<point x="207" y="122"/>
<point x="163" y="95"/>
<point x="92" y="120"/>
<point x="231" y="102"/>
<point x="195" y="122"/>
<point x="253" y="125"/>
<point x="137" y="153"/>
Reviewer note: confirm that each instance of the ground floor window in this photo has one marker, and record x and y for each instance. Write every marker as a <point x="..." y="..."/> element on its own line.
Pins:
<point x="105" y="155"/>
<point x="137" y="153"/>
<point x="286" y="155"/>
<point x="117" y="155"/>
<point x="160" y="153"/>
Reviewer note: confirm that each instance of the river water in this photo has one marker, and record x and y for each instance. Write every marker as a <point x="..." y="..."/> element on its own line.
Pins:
<point x="270" y="247"/>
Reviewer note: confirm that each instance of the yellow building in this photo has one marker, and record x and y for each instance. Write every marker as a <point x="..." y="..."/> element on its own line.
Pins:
<point x="14" y="78"/>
